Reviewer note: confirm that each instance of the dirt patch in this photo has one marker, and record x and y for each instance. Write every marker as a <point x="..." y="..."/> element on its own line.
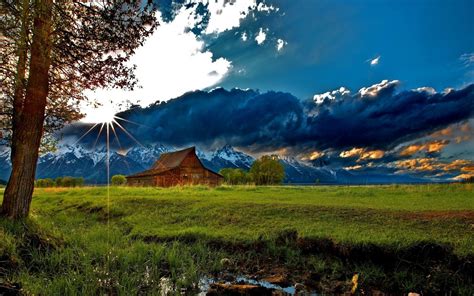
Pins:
<point x="220" y="289"/>
<point x="438" y="215"/>
<point x="434" y="267"/>
<point x="280" y="279"/>
<point x="103" y="213"/>
<point x="8" y="289"/>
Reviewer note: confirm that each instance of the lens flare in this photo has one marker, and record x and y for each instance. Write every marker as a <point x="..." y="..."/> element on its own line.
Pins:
<point x="107" y="122"/>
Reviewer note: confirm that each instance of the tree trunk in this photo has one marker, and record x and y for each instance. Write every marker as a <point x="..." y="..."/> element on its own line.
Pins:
<point x="20" y="84"/>
<point x="27" y="134"/>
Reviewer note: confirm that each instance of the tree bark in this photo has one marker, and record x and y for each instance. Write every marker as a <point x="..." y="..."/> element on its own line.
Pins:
<point x="27" y="134"/>
<point x="20" y="82"/>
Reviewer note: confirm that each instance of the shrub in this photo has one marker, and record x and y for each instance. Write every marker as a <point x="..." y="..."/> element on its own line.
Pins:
<point x="79" y="181"/>
<point x="235" y="176"/>
<point x="45" y="183"/>
<point x="61" y="182"/>
<point x="267" y="170"/>
<point x="119" y="180"/>
<point x="68" y="182"/>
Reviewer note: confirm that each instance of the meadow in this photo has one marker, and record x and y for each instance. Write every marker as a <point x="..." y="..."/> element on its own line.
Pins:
<point x="124" y="241"/>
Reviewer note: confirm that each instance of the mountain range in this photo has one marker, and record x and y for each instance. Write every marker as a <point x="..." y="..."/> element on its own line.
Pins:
<point x="77" y="161"/>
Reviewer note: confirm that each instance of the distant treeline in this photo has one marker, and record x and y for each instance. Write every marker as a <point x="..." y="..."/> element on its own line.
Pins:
<point x="468" y="180"/>
<point x="265" y="171"/>
<point x="117" y="180"/>
<point x="60" y="182"/>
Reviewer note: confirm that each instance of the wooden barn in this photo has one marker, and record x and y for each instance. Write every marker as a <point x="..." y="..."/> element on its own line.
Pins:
<point x="181" y="167"/>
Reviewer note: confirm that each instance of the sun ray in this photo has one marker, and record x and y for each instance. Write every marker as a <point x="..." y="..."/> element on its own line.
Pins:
<point x="88" y="131"/>
<point x="98" y="135"/>
<point x="109" y="127"/>
<point x="108" y="195"/>
<point x="128" y="134"/>
<point x="132" y="122"/>
<point x="120" y="145"/>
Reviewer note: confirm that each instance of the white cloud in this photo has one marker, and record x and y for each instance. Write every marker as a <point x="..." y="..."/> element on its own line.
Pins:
<point x="426" y="89"/>
<point x="171" y="62"/>
<point x="268" y="8"/>
<point x="280" y="44"/>
<point x="225" y="15"/>
<point x="467" y="59"/>
<point x="174" y="60"/>
<point x="373" y="90"/>
<point x="331" y="95"/>
<point x="261" y="36"/>
<point x="375" y="61"/>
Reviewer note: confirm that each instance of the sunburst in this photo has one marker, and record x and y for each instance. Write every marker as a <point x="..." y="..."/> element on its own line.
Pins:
<point x="109" y="124"/>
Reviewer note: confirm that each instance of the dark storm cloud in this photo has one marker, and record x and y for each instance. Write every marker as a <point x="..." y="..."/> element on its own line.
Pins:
<point x="237" y="117"/>
<point x="387" y="118"/>
<point x="273" y="120"/>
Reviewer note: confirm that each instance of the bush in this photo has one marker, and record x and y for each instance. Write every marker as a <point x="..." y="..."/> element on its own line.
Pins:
<point x="68" y="182"/>
<point x="60" y="182"/>
<point x="45" y="183"/>
<point x="267" y="170"/>
<point x="119" y="180"/>
<point x="79" y="181"/>
<point x="235" y="176"/>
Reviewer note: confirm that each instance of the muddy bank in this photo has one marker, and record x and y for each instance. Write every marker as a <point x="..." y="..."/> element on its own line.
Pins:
<point x="246" y="286"/>
<point x="286" y="260"/>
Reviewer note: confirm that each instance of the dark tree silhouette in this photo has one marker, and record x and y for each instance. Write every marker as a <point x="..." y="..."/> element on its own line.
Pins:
<point x="75" y="45"/>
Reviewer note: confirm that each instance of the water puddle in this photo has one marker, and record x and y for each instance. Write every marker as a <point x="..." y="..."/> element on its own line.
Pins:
<point x="206" y="284"/>
<point x="238" y="285"/>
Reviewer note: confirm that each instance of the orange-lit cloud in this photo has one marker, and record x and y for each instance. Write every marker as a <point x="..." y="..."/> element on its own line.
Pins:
<point x="466" y="128"/>
<point x="417" y="164"/>
<point x="461" y="165"/>
<point x="431" y="147"/>
<point x="354" y="167"/>
<point x="315" y="155"/>
<point x="362" y="154"/>
<point x="351" y="153"/>
<point x="443" y="133"/>
<point x="460" y="139"/>
<point x="430" y="164"/>
<point x="460" y="132"/>
<point x="463" y="176"/>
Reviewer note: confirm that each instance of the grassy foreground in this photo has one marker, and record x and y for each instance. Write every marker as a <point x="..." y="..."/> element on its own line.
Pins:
<point x="79" y="241"/>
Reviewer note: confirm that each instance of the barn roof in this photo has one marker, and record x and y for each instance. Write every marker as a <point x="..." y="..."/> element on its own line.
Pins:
<point x="172" y="160"/>
<point x="168" y="161"/>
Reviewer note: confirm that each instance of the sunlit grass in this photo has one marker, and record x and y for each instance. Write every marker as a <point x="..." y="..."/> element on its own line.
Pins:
<point x="75" y="220"/>
<point x="397" y="215"/>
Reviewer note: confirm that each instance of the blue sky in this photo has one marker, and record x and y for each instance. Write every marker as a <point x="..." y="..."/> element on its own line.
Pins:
<point x="419" y="43"/>
<point x="373" y="86"/>
<point x="325" y="45"/>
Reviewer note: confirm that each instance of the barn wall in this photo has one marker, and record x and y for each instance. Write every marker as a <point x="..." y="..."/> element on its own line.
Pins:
<point x="191" y="172"/>
<point x="141" y="181"/>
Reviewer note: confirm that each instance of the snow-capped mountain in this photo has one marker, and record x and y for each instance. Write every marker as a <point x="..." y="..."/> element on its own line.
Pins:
<point x="77" y="161"/>
<point x="68" y="160"/>
<point x="300" y="172"/>
<point x="147" y="155"/>
<point x="5" y="166"/>
<point x="225" y="157"/>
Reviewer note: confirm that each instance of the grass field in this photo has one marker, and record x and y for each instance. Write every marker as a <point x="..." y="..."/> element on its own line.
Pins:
<point x="397" y="238"/>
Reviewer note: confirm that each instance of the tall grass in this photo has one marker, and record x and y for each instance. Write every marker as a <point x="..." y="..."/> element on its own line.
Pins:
<point x="181" y="234"/>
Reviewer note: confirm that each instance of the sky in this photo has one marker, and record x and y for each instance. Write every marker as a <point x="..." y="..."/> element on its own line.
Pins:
<point x="371" y="84"/>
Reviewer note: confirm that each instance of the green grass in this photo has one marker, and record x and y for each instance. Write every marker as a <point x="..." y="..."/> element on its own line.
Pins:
<point x="90" y="243"/>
